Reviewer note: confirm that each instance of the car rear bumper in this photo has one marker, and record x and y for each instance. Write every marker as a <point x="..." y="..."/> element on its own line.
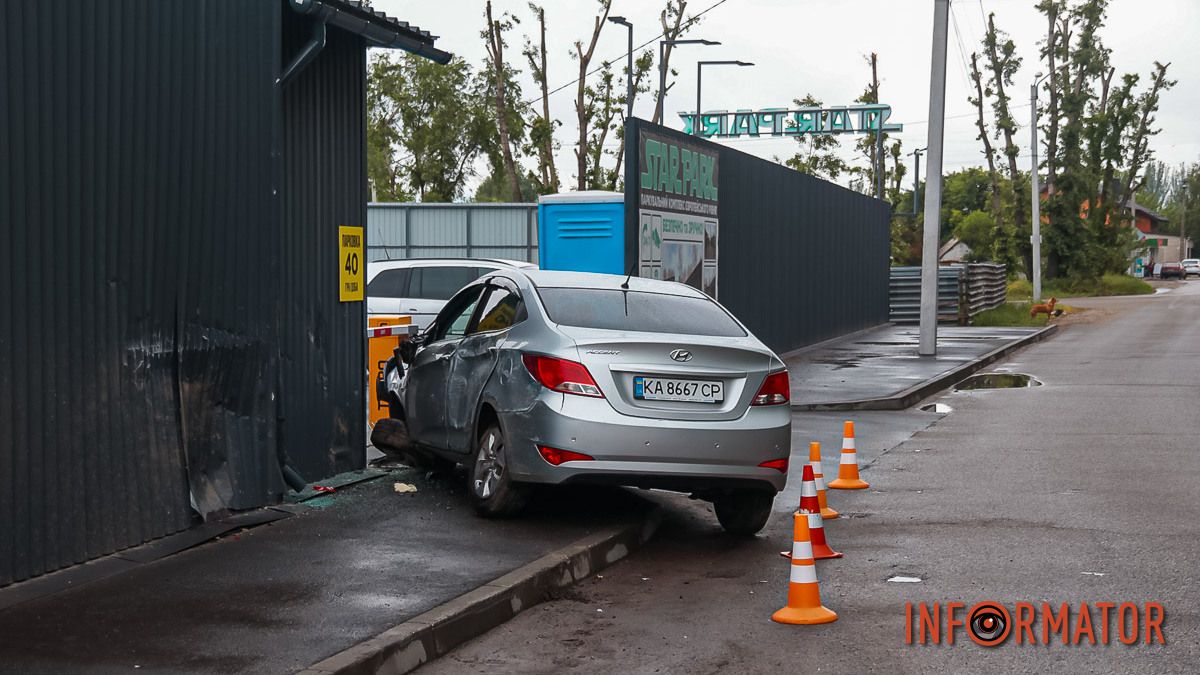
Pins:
<point x="671" y="454"/>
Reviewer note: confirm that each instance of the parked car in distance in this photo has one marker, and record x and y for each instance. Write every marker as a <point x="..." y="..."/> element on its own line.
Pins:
<point x="1172" y="270"/>
<point x="1191" y="266"/>
<point x="530" y="376"/>
<point x="419" y="287"/>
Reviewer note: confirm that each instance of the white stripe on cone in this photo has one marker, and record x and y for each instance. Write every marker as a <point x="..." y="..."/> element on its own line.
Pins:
<point x="848" y="444"/>
<point x="849" y="458"/>
<point x="820" y="481"/>
<point x="802" y="550"/>
<point x="804" y="574"/>
<point x="814" y="521"/>
<point x="808" y="489"/>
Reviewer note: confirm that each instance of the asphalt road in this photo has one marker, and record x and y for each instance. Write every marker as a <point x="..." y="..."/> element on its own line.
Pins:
<point x="1083" y="489"/>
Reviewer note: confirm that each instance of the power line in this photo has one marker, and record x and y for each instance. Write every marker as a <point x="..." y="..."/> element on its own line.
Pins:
<point x="622" y="55"/>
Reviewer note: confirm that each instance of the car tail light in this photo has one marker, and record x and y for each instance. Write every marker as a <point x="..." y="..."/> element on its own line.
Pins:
<point x="775" y="390"/>
<point x="780" y="465"/>
<point x="562" y="375"/>
<point x="556" y="456"/>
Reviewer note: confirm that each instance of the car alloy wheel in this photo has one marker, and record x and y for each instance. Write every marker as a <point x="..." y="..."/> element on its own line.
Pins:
<point x="489" y="464"/>
<point x="491" y="489"/>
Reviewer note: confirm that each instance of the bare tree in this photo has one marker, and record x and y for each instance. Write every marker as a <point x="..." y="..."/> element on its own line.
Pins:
<point x="584" y="109"/>
<point x="495" y="49"/>
<point x="1138" y="142"/>
<point x="541" y="133"/>
<point x="673" y="25"/>
<point x="1004" y="64"/>
<point x="988" y="151"/>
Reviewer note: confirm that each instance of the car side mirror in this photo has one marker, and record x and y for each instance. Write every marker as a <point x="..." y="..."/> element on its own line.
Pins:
<point x="408" y="348"/>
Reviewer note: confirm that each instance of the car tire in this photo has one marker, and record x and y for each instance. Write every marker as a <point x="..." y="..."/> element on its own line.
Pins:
<point x="490" y="487"/>
<point x="745" y="512"/>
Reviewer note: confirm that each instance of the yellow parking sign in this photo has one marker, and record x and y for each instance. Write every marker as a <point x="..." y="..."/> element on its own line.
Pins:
<point x="350" y="246"/>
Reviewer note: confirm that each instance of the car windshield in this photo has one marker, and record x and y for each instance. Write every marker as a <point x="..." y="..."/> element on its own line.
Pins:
<point x="638" y="311"/>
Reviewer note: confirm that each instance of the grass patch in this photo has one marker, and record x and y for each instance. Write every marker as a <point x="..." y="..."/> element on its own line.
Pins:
<point x="1109" y="284"/>
<point x="1009" y="314"/>
<point x="1017" y="314"/>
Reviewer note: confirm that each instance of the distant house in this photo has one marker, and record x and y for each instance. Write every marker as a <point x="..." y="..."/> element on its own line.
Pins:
<point x="1156" y="245"/>
<point x="953" y="251"/>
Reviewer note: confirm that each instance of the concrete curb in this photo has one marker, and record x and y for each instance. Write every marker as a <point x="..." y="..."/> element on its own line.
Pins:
<point x="910" y="396"/>
<point x="424" y="638"/>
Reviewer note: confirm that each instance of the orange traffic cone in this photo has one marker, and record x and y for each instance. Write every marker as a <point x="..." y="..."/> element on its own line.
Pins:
<point x="804" y="596"/>
<point x="848" y="469"/>
<point x="814" y="459"/>
<point x="816" y="528"/>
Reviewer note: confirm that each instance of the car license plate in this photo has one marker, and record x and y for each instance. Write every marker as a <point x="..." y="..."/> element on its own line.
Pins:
<point x="667" y="389"/>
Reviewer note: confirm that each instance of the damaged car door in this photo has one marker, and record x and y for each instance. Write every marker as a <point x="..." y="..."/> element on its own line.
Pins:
<point x="425" y="390"/>
<point x="499" y="309"/>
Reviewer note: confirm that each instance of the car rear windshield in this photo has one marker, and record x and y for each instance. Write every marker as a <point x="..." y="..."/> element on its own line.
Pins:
<point x="638" y="311"/>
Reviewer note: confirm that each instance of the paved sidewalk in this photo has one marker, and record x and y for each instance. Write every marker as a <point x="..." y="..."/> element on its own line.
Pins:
<point x="879" y="369"/>
<point x="280" y="597"/>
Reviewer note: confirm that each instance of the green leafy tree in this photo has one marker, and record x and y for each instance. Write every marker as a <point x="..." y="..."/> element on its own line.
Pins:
<point x="976" y="230"/>
<point x="426" y="125"/>
<point x="818" y="154"/>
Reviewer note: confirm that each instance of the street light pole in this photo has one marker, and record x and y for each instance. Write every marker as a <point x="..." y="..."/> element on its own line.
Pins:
<point x="916" y="179"/>
<point x="622" y="21"/>
<point x="1035" y="190"/>
<point x="933" y="182"/>
<point x="662" y="69"/>
<point x="699" y="73"/>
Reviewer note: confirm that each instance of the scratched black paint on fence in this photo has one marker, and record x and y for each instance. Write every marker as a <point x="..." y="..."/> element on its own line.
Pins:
<point x="169" y="318"/>
<point x="800" y="259"/>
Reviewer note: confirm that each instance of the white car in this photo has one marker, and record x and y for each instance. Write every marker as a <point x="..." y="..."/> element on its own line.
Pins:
<point x="420" y="287"/>
<point x="1191" y="266"/>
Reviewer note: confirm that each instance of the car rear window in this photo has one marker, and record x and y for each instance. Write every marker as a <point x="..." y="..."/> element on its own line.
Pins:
<point x="638" y="311"/>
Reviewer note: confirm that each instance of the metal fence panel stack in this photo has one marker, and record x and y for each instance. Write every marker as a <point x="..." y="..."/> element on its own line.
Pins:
<point x="963" y="292"/>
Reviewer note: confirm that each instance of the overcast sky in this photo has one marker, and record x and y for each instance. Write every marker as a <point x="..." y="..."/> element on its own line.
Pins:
<point x="818" y="47"/>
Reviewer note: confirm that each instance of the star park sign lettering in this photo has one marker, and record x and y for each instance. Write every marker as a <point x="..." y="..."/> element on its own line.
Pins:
<point x="854" y="119"/>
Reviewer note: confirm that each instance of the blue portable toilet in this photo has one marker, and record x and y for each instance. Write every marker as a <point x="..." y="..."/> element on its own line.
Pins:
<point x="582" y="232"/>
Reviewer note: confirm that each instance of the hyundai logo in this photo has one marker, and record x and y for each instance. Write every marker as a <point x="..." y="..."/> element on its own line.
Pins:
<point x="681" y="355"/>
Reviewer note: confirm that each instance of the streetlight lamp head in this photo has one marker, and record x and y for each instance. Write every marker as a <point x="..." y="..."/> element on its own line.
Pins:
<point x="1036" y="76"/>
<point x="619" y="20"/>
<point x="744" y="63"/>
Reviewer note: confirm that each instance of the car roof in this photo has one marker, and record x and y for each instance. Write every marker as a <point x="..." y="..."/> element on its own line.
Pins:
<point x="449" y="262"/>
<point x="561" y="279"/>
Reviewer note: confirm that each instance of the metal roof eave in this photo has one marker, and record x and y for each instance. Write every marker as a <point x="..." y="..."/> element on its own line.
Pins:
<point x="376" y="27"/>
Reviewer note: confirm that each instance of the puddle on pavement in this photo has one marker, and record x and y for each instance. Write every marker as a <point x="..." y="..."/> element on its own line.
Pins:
<point x="997" y="381"/>
<point x="937" y="408"/>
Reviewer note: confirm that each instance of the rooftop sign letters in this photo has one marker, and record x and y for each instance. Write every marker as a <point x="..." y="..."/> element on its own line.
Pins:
<point x="855" y="119"/>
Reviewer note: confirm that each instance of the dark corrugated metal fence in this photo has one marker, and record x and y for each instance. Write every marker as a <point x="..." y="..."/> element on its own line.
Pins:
<point x="169" y="318"/>
<point x="800" y="259"/>
<point x="324" y="185"/>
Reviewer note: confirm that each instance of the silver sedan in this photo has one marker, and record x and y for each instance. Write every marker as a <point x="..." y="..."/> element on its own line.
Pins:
<point x="530" y="377"/>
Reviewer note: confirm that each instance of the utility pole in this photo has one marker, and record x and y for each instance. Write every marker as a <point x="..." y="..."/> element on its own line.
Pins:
<point x="916" y="180"/>
<point x="1182" y="220"/>
<point x="933" y="181"/>
<point x="1035" y="192"/>
<point x="879" y="155"/>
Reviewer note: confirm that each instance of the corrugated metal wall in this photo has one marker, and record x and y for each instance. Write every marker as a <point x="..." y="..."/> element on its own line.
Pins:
<point x="135" y="198"/>
<point x="323" y="378"/>
<point x="414" y="230"/>
<point x="800" y="259"/>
